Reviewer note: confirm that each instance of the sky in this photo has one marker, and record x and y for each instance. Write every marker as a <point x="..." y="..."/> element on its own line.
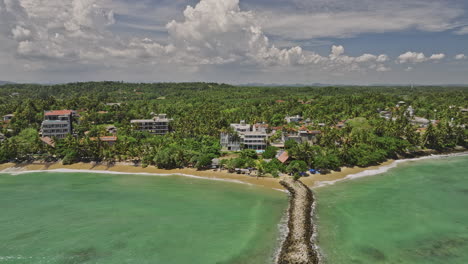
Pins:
<point x="235" y="41"/>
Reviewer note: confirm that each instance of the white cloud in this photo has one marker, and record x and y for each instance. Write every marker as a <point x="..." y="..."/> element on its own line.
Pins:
<point x="418" y="57"/>
<point x="460" y="57"/>
<point x="212" y="33"/>
<point x="344" y="18"/>
<point x="20" y="33"/>
<point x="337" y="51"/>
<point x="439" y="56"/>
<point x="382" y="68"/>
<point x="219" y="32"/>
<point x="382" y="58"/>
<point x="338" y="60"/>
<point x="58" y="30"/>
<point x="412" y="57"/>
<point x="370" y="57"/>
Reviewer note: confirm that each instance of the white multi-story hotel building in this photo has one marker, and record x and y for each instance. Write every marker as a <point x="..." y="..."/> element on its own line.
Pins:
<point x="159" y="125"/>
<point x="57" y="123"/>
<point x="245" y="136"/>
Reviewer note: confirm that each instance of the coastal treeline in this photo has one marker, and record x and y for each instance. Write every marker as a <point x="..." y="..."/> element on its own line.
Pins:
<point x="200" y="111"/>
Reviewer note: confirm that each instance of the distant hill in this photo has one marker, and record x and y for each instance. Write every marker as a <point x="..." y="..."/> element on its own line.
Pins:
<point x="285" y="85"/>
<point x="5" y="82"/>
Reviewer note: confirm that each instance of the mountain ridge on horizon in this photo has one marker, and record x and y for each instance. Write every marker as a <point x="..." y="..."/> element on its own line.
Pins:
<point x="5" y="82"/>
<point x="255" y="84"/>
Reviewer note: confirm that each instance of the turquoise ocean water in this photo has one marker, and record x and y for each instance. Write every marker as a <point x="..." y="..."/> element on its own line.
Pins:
<point x="94" y="218"/>
<point x="416" y="213"/>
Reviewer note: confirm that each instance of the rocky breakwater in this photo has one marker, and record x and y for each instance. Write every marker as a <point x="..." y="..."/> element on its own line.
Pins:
<point x="297" y="248"/>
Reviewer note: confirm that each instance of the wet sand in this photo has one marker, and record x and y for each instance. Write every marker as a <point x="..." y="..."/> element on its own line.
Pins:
<point x="313" y="180"/>
<point x="267" y="182"/>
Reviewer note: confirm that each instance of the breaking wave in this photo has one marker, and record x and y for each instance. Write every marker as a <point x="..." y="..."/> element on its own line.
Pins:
<point x="385" y="168"/>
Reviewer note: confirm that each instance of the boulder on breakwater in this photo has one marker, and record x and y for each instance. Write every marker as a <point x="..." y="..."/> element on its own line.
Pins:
<point x="297" y="248"/>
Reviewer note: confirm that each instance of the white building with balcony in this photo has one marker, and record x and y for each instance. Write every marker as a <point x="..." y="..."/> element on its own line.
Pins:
<point x="293" y="119"/>
<point x="57" y="123"/>
<point x="159" y="125"/>
<point x="245" y="136"/>
<point x="7" y="118"/>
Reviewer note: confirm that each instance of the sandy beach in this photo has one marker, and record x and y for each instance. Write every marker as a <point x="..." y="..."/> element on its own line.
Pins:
<point x="266" y="182"/>
<point x="314" y="180"/>
<point x="125" y="168"/>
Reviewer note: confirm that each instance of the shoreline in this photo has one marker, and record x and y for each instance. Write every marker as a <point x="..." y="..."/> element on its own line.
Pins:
<point x="313" y="181"/>
<point x="125" y="168"/>
<point x="347" y="174"/>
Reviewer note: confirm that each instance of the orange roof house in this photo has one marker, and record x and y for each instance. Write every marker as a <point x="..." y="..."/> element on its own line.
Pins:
<point x="421" y="130"/>
<point x="59" y="112"/>
<point x="283" y="157"/>
<point x="105" y="139"/>
<point x="48" y="141"/>
<point x="108" y="139"/>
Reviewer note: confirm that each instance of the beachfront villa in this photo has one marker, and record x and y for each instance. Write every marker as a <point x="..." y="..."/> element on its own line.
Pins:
<point x="420" y="122"/>
<point x="110" y="140"/>
<point x="159" y="125"/>
<point x="293" y="119"/>
<point x="57" y="123"/>
<point x="255" y="140"/>
<point x="7" y="118"/>
<point x="302" y="135"/>
<point x="245" y="136"/>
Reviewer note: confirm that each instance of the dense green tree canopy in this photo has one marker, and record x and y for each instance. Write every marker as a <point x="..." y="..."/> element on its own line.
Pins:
<point x="202" y="110"/>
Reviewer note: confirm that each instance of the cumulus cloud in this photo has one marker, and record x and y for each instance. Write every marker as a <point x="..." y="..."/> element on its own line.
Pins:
<point x="382" y="68"/>
<point x="412" y="57"/>
<point x="439" y="56"/>
<point x="56" y="29"/>
<point x="212" y="32"/>
<point x="460" y="57"/>
<point x="219" y="32"/>
<point x="20" y="33"/>
<point x="338" y="60"/>
<point x="418" y="57"/>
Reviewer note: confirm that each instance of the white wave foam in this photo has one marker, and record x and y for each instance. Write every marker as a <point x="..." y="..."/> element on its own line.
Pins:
<point x="283" y="230"/>
<point x="314" y="237"/>
<point x="7" y="258"/>
<point x="385" y="168"/>
<point x="281" y="190"/>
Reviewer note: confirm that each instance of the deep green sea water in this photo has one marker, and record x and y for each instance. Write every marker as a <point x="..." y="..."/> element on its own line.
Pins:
<point x="414" y="213"/>
<point x="70" y="218"/>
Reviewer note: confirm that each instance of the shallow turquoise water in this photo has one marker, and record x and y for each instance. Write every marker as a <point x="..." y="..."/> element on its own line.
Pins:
<point x="415" y="213"/>
<point x="94" y="218"/>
